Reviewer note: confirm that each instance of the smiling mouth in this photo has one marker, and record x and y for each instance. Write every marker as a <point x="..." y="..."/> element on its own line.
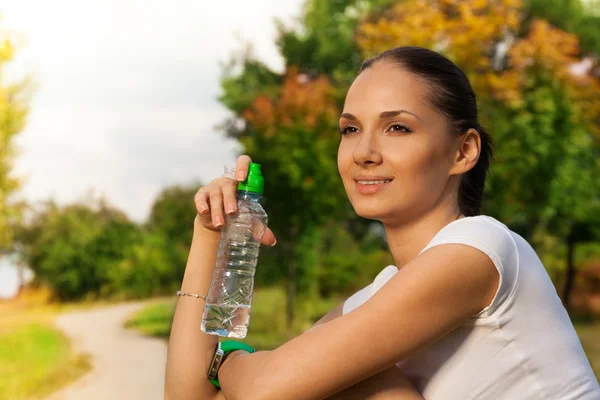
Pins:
<point x="366" y="187"/>
<point x="363" y="182"/>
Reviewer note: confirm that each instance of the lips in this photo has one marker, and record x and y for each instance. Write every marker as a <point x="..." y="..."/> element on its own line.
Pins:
<point x="372" y="178"/>
<point x="369" y="184"/>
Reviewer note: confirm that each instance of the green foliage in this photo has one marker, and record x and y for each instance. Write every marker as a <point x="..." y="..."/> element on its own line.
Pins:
<point x="172" y="217"/>
<point x="324" y="44"/>
<point x="91" y="250"/>
<point x="347" y="264"/>
<point x="154" y="320"/>
<point x="145" y="270"/>
<point x="240" y="90"/>
<point x="13" y="113"/>
<point x="72" y="248"/>
<point x="267" y="329"/>
<point x="35" y="360"/>
<point x="571" y="16"/>
<point x="173" y="212"/>
<point x="543" y="176"/>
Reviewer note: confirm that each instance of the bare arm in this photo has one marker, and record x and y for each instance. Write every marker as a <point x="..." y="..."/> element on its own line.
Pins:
<point x="388" y="384"/>
<point x="420" y="304"/>
<point x="190" y="350"/>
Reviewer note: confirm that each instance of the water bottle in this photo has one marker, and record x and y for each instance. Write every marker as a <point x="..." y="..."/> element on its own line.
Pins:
<point x="229" y="299"/>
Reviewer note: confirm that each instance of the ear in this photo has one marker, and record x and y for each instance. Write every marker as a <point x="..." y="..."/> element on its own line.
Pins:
<point x="467" y="153"/>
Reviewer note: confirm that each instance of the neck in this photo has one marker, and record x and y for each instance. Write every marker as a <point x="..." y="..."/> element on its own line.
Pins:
<point x="406" y="240"/>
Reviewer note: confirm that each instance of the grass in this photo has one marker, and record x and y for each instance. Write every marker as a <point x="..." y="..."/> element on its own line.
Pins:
<point x="35" y="358"/>
<point x="154" y="320"/>
<point x="267" y="330"/>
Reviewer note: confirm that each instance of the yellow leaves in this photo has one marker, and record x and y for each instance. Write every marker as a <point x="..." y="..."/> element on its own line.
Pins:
<point x="467" y="31"/>
<point x="549" y="47"/>
<point x="469" y="28"/>
<point x="6" y="50"/>
<point x="13" y="111"/>
<point x="301" y="98"/>
<point x="472" y="33"/>
<point x="411" y="23"/>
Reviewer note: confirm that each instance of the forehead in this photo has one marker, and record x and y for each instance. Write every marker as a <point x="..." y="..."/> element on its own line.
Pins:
<point x="385" y="86"/>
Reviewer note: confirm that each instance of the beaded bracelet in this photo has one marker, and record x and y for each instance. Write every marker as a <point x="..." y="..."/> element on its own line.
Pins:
<point x="180" y="293"/>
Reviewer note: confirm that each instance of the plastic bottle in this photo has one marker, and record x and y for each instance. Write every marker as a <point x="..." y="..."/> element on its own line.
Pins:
<point x="229" y="299"/>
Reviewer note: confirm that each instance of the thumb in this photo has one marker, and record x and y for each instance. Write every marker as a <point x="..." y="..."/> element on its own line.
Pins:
<point x="268" y="238"/>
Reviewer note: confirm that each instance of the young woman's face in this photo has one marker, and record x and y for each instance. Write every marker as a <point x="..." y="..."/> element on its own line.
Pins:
<point x="395" y="153"/>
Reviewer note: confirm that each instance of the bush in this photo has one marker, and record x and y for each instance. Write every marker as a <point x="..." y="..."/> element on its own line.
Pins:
<point x="144" y="271"/>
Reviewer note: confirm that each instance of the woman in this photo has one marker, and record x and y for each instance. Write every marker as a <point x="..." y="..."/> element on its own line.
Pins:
<point x="467" y="312"/>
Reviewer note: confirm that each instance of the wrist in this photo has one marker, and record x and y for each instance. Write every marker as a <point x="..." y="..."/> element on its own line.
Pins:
<point x="242" y="375"/>
<point x="205" y="233"/>
<point x="233" y="355"/>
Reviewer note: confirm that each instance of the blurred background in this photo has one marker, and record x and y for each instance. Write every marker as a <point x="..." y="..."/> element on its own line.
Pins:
<point x="113" y="114"/>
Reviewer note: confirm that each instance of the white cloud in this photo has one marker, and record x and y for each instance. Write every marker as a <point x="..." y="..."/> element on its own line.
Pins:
<point x="127" y="92"/>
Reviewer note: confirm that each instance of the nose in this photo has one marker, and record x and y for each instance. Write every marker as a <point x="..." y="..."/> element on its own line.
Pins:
<point x="367" y="150"/>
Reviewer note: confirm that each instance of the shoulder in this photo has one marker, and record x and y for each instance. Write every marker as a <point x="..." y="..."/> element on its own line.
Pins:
<point x="491" y="237"/>
<point x="483" y="232"/>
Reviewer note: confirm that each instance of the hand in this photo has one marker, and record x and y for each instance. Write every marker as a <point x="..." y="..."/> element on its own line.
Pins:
<point x="221" y="194"/>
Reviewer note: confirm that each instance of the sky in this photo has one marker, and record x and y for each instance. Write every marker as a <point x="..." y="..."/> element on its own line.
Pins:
<point x="125" y="100"/>
<point x="126" y="92"/>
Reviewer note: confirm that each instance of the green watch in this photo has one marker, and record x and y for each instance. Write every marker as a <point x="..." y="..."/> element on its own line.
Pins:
<point x="223" y="349"/>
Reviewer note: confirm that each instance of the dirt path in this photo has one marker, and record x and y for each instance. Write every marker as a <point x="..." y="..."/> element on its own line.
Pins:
<point x="126" y="365"/>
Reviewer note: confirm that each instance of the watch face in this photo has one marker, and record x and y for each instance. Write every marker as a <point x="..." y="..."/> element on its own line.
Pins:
<point x="216" y="363"/>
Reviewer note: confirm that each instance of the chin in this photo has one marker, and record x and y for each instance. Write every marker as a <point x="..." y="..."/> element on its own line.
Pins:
<point x="370" y="211"/>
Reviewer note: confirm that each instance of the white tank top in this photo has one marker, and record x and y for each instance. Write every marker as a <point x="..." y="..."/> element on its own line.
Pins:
<point x="521" y="346"/>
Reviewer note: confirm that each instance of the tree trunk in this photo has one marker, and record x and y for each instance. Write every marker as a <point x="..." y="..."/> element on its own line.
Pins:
<point x="570" y="278"/>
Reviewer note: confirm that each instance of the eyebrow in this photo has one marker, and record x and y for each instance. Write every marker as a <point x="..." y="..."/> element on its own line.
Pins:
<point x="383" y="115"/>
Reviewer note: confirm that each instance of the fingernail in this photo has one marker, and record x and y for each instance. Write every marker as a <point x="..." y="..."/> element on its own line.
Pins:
<point x="230" y="208"/>
<point x="274" y="243"/>
<point x="219" y="222"/>
<point x="241" y="175"/>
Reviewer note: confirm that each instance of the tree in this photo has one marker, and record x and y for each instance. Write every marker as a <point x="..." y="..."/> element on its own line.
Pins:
<point x="144" y="270"/>
<point x="581" y="19"/>
<point x="172" y="215"/>
<point x="302" y="185"/>
<point x="294" y="116"/>
<point x="13" y="112"/>
<point x="72" y="248"/>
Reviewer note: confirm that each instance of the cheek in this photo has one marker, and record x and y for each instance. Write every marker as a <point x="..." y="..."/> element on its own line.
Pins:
<point x="422" y="169"/>
<point x="344" y="160"/>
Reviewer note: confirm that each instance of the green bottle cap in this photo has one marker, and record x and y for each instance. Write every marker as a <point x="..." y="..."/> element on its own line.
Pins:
<point x="254" y="181"/>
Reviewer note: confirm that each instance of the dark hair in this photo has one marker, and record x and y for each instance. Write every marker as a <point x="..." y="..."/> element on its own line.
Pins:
<point x="450" y="92"/>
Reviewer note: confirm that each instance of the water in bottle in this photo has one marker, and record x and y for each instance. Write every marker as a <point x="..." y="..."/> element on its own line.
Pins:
<point x="229" y="298"/>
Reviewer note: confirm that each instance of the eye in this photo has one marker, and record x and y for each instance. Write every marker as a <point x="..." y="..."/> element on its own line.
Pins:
<point x="348" y="129"/>
<point x="399" y="128"/>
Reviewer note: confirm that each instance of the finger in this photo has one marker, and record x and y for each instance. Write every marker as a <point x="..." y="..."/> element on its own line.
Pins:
<point x="216" y="204"/>
<point x="200" y="200"/>
<point x="229" y="189"/>
<point x="268" y="238"/>
<point x="241" y="169"/>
